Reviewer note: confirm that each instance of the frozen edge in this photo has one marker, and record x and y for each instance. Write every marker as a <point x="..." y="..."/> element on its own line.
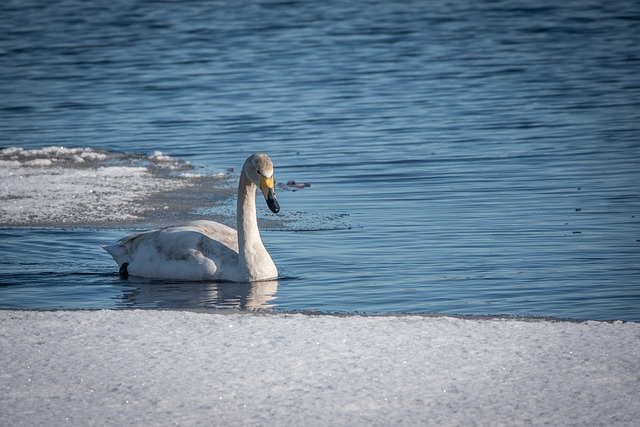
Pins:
<point x="85" y="187"/>
<point x="170" y="367"/>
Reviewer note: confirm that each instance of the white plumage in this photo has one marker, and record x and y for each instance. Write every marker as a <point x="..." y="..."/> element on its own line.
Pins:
<point x="207" y="250"/>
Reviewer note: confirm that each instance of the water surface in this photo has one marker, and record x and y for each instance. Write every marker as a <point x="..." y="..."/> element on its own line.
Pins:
<point x="464" y="157"/>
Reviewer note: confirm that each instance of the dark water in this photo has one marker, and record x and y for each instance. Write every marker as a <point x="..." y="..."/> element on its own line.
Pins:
<point x="465" y="157"/>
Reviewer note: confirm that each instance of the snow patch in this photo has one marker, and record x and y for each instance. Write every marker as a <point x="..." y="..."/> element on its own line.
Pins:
<point x="159" y="156"/>
<point x="66" y="186"/>
<point x="184" y="368"/>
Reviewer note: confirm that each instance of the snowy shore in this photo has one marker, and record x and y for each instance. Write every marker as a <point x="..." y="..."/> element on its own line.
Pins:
<point x="186" y="368"/>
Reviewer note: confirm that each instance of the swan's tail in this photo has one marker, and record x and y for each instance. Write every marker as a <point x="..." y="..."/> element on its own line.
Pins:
<point x="119" y="253"/>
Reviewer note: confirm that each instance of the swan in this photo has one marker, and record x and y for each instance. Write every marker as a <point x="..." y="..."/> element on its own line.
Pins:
<point x="207" y="250"/>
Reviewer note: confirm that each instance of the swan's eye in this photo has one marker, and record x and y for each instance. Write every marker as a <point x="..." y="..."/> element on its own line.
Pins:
<point x="258" y="172"/>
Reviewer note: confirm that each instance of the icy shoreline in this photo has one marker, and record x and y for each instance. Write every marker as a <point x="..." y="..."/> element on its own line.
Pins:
<point x="185" y="368"/>
<point x="71" y="187"/>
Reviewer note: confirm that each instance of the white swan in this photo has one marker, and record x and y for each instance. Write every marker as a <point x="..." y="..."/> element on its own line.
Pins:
<point x="207" y="250"/>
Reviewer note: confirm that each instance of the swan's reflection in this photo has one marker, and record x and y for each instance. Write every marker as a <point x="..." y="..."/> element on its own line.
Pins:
<point x="142" y="293"/>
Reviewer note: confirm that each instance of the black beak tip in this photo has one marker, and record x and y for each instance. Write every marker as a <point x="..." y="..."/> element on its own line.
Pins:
<point x="274" y="206"/>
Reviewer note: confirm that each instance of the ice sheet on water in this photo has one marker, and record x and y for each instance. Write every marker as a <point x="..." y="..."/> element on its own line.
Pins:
<point x="56" y="186"/>
<point x="51" y="155"/>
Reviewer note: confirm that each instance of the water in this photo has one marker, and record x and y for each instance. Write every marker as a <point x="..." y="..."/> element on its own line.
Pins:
<point x="464" y="157"/>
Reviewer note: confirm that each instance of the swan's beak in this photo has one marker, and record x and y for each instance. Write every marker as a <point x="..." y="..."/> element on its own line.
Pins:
<point x="267" y="187"/>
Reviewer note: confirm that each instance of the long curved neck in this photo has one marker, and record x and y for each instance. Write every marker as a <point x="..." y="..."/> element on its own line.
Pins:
<point x="249" y="241"/>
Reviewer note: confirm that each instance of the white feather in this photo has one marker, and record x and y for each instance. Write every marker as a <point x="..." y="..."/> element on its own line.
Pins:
<point x="206" y="250"/>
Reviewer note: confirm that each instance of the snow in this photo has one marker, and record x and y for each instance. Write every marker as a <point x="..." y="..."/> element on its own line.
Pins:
<point x="219" y="175"/>
<point x="161" y="157"/>
<point x="38" y="195"/>
<point x="48" y="155"/>
<point x="58" y="186"/>
<point x="188" y="368"/>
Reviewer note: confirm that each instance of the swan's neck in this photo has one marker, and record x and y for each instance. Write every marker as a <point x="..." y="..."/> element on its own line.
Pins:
<point x="252" y="254"/>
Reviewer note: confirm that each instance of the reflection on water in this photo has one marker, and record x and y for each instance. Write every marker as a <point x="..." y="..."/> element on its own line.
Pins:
<point x="143" y="293"/>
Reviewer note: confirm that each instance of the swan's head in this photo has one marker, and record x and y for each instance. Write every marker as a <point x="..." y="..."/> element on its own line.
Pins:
<point x="259" y="169"/>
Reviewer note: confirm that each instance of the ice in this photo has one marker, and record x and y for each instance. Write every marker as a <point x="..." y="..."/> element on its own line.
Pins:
<point x="52" y="154"/>
<point x="186" y="368"/>
<point x="38" y="162"/>
<point x="220" y="175"/>
<point x="58" y="186"/>
<point x="158" y="155"/>
<point x="29" y="195"/>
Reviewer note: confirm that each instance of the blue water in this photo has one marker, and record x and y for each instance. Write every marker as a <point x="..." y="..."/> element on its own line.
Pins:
<point x="464" y="157"/>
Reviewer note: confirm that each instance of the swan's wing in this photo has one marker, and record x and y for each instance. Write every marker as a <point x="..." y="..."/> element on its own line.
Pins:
<point x="216" y="231"/>
<point x="195" y="251"/>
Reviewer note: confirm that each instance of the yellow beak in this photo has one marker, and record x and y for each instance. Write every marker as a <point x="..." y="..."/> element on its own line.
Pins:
<point x="267" y="188"/>
<point x="266" y="184"/>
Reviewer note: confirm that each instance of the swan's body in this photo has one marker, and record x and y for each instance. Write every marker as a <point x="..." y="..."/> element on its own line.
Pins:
<point x="207" y="250"/>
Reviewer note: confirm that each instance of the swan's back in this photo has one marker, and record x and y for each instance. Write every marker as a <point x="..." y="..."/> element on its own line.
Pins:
<point x="199" y="250"/>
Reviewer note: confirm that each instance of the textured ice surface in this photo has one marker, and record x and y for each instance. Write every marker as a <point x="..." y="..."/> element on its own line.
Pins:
<point x="58" y="186"/>
<point x="184" y="368"/>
